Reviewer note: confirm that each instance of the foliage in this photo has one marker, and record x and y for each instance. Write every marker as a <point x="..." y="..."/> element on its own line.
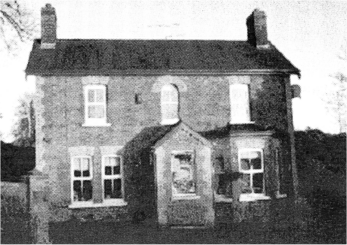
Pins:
<point x="16" y="161"/>
<point x="327" y="150"/>
<point x="24" y="129"/>
<point x="16" y="25"/>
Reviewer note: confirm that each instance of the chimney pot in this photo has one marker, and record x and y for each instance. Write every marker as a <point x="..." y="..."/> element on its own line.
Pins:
<point x="48" y="27"/>
<point x="257" y="29"/>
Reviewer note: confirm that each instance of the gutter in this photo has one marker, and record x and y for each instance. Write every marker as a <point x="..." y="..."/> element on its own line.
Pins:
<point x="106" y="72"/>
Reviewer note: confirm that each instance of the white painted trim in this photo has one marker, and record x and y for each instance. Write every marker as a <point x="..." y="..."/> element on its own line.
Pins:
<point x="172" y="100"/>
<point x="246" y="105"/>
<point x="89" y="124"/>
<point x="279" y="195"/>
<point x="247" y="150"/>
<point x="116" y="203"/>
<point x="118" y="176"/>
<point x="95" y="122"/>
<point x="252" y="171"/>
<point x="169" y="121"/>
<point x="48" y="45"/>
<point x="222" y="198"/>
<point x="185" y="197"/>
<point x="236" y="123"/>
<point x="253" y="197"/>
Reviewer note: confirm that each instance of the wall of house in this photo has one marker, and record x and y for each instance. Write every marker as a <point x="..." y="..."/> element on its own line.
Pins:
<point x="204" y="105"/>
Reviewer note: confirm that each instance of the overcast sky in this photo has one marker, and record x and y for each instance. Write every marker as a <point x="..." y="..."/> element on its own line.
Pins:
<point x="309" y="33"/>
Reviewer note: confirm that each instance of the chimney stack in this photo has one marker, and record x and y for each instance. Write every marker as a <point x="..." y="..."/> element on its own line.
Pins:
<point x="257" y="29"/>
<point x="48" y="27"/>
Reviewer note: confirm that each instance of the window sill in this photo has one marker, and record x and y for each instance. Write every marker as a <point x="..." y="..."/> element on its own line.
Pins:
<point x="96" y="125"/>
<point x="169" y="121"/>
<point x="222" y="198"/>
<point x="279" y="196"/>
<point x="242" y="122"/>
<point x="108" y="203"/>
<point x="185" y="197"/>
<point x="253" y="197"/>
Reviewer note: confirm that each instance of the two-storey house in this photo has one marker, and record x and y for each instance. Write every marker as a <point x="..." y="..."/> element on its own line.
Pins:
<point x="182" y="131"/>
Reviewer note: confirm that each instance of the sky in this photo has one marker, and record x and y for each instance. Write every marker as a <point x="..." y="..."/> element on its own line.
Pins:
<point x="309" y="33"/>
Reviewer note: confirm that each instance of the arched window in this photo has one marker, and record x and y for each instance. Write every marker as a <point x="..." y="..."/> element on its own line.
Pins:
<point x="169" y="104"/>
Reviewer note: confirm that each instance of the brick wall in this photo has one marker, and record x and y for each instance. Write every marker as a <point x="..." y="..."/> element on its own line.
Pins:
<point x="203" y="106"/>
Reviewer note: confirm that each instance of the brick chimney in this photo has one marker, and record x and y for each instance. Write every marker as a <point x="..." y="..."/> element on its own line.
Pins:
<point x="257" y="29"/>
<point x="48" y="27"/>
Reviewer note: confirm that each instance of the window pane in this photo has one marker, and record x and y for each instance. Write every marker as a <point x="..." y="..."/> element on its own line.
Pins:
<point x="85" y="167"/>
<point x="87" y="190"/>
<point x="239" y="103"/>
<point x="77" y="191"/>
<point x="250" y="154"/>
<point x="246" y="184"/>
<point x="108" y="170"/>
<point x="258" y="183"/>
<point x="169" y="111"/>
<point x="245" y="164"/>
<point x="221" y="184"/>
<point x="256" y="163"/>
<point x="108" y="188"/>
<point x="117" y="192"/>
<point x="96" y="111"/>
<point x="116" y="164"/>
<point x="99" y="95"/>
<point x="116" y="170"/>
<point x="107" y="161"/>
<point x="77" y="167"/>
<point x="91" y="95"/>
<point x="183" y="176"/>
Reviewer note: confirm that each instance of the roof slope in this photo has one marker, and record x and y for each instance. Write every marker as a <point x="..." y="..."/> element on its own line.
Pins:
<point x="106" y="57"/>
<point x="144" y="140"/>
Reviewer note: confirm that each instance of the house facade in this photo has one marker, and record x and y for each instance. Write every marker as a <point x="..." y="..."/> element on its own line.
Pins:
<point x="186" y="132"/>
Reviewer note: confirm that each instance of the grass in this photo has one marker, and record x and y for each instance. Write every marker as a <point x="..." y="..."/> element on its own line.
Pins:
<point x="330" y="230"/>
<point x="15" y="220"/>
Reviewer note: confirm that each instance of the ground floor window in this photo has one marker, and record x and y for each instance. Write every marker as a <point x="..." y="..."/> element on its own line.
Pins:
<point x="112" y="177"/>
<point x="82" y="179"/>
<point x="183" y="173"/>
<point x="251" y="165"/>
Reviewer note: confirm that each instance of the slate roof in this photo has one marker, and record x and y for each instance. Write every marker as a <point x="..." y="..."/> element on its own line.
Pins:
<point x="144" y="140"/>
<point x="107" y="57"/>
<point x="233" y="128"/>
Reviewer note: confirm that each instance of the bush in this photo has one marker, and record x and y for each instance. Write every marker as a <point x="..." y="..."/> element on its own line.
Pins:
<point x="16" y="161"/>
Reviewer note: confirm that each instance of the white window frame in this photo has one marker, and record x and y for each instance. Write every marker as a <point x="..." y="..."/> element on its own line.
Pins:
<point x="246" y="197"/>
<point x="163" y="102"/>
<point x="234" y="103"/>
<point x="184" y="195"/>
<point x="112" y="201"/>
<point x="81" y="178"/>
<point x="95" y="122"/>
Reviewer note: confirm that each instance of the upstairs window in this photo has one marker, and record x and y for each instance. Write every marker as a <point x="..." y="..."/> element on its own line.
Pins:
<point x="169" y="104"/>
<point x="112" y="178"/>
<point x="239" y="104"/>
<point x="95" y="105"/>
<point x="82" y="175"/>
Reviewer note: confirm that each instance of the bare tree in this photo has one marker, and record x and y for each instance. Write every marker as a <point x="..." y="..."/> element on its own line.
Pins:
<point x="338" y="101"/>
<point x="17" y="25"/>
<point x="24" y="129"/>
